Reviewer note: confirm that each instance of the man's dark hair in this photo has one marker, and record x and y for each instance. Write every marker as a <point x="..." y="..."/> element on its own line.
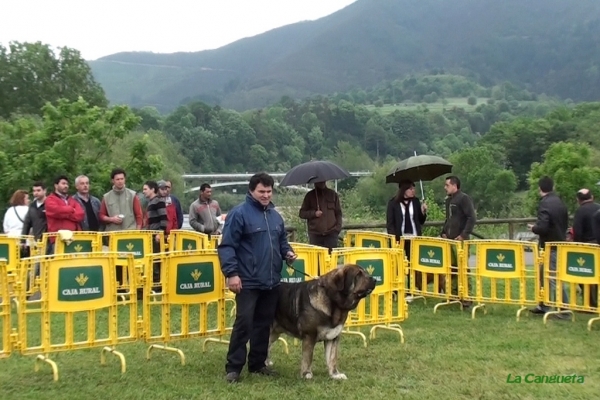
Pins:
<point x="204" y="186"/>
<point x="117" y="171"/>
<point x="263" y="178"/>
<point x="152" y="185"/>
<point x="39" y="184"/>
<point x="546" y="184"/>
<point x="584" y="196"/>
<point x="454" y="180"/>
<point x="60" y="178"/>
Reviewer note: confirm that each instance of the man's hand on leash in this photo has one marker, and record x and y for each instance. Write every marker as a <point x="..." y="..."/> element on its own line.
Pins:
<point x="234" y="284"/>
<point x="290" y="257"/>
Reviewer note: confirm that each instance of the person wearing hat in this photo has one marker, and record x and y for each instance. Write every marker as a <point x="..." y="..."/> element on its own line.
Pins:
<point x="163" y="192"/>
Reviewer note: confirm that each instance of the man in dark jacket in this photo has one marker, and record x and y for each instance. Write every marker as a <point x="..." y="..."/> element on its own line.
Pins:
<point x="322" y="210"/>
<point x="551" y="226"/>
<point x="459" y="224"/>
<point x="252" y="250"/>
<point x="583" y="229"/>
<point x="35" y="220"/>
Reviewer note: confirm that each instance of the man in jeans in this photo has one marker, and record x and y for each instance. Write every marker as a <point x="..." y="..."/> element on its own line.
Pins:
<point x="551" y="226"/>
<point x="251" y="253"/>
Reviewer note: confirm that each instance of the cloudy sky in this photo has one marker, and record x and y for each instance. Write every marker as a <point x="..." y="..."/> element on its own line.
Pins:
<point x="99" y="28"/>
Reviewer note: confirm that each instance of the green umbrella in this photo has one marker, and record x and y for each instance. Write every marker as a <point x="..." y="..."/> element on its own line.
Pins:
<point x="419" y="168"/>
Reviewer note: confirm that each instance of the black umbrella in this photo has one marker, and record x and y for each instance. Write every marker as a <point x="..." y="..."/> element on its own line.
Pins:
<point x="312" y="172"/>
<point x="419" y="168"/>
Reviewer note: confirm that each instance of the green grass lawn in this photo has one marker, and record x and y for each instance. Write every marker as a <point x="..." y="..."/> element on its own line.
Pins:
<point x="446" y="355"/>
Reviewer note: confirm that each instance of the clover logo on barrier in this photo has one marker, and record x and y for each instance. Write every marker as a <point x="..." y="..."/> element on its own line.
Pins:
<point x="500" y="257"/>
<point x="290" y="271"/>
<point x="431" y="253"/>
<point x="78" y="248"/>
<point x="371" y="246"/>
<point x="370" y="269"/>
<point x="130" y="246"/>
<point x="581" y="261"/>
<point x="189" y="246"/>
<point x="81" y="279"/>
<point x="196" y="274"/>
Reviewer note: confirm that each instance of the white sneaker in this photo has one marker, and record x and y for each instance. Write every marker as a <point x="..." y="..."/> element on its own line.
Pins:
<point x="408" y="298"/>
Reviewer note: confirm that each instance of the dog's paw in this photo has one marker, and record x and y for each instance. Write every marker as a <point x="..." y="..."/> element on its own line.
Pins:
<point x="308" y="375"/>
<point x="339" y="376"/>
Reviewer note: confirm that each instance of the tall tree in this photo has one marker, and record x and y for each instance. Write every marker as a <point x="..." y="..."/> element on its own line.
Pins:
<point x="569" y="165"/>
<point x="31" y="74"/>
<point x="72" y="138"/>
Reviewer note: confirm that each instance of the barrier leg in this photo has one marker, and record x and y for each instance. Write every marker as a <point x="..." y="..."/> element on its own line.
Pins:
<point x="356" y="333"/>
<point x="394" y="328"/>
<point x="474" y="310"/>
<point x="559" y="313"/>
<point x="447" y="303"/>
<point x="419" y="297"/>
<point x="116" y="353"/>
<point x="39" y="359"/>
<point x="523" y="308"/>
<point x="213" y="340"/>
<point x="591" y="322"/>
<point x="166" y="348"/>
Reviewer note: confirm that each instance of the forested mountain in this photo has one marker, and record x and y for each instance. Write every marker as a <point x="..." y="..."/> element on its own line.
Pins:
<point x="545" y="46"/>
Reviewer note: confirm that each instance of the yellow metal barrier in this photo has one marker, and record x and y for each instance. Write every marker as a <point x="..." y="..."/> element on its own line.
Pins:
<point x="436" y="261"/>
<point x="214" y="241"/>
<point x="500" y="266"/>
<point x="77" y="292"/>
<point x="5" y="317"/>
<point x="577" y="264"/>
<point x="358" y="238"/>
<point x="79" y="242"/>
<point x="191" y="281"/>
<point x="10" y="250"/>
<point x="386" y="307"/>
<point x="186" y="240"/>
<point x="142" y="244"/>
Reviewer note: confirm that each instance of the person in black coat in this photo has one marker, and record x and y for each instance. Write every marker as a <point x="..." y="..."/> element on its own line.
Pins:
<point x="405" y="217"/>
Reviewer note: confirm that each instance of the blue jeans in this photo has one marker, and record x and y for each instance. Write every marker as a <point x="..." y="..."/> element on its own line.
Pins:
<point x="553" y="266"/>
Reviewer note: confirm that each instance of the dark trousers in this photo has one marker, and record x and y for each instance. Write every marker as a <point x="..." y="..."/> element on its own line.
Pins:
<point x="255" y="311"/>
<point x="593" y="294"/>
<point x="330" y="241"/>
<point x="418" y="275"/>
<point x="156" y="267"/>
<point x="454" y="269"/>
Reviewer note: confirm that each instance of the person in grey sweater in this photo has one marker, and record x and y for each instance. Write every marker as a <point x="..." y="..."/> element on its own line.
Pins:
<point x="459" y="224"/>
<point x="204" y="212"/>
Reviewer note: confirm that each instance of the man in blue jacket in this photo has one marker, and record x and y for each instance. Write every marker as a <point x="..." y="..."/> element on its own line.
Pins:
<point x="253" y="248"/>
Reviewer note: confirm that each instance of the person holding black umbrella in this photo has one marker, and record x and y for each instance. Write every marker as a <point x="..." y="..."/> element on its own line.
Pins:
<point x="321" y="208"/>
<point x="405" y="218"/>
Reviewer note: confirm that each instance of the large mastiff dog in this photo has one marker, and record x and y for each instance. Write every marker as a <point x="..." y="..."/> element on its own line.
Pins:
<point x="316" y="311"/>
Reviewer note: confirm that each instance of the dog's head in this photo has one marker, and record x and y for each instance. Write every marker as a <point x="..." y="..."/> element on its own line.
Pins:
<point x="347" y="285"/>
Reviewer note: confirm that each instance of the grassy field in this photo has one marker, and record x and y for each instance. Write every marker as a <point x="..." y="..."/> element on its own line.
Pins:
<point x="447" y="355"/>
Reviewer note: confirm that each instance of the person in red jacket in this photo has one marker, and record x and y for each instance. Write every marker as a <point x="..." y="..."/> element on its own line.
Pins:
<point x="62" y="210"/>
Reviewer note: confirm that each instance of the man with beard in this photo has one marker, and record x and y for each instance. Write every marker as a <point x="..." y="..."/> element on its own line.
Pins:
<point x="323" y="212"/>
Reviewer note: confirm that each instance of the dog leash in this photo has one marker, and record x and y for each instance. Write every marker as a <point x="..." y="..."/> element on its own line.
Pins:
<point x="290" y="264"/>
